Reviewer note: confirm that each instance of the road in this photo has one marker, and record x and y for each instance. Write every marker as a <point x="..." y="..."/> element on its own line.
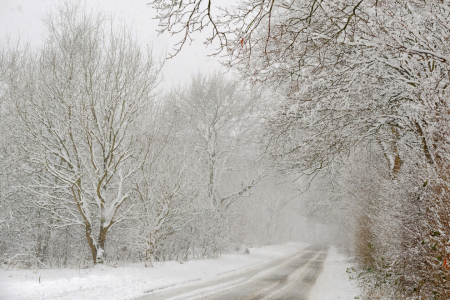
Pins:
<point x="284" y="278"/>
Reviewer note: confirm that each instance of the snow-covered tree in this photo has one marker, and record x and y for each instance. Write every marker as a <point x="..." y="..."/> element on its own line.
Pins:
<point x="361" y="65"/>
<point x="364" y="75"/>
<point x="219" y="115"/>
<point x="81" y="99"/>
<point x="163" y="189"/>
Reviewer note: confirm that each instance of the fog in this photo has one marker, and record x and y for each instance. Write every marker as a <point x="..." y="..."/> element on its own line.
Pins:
<point x="146" y="132"/>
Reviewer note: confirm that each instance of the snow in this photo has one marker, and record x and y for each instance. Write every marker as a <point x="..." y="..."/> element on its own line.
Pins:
<point x="134" y="280"/>
<point x="131" y="281"/>
<point x="334" y="283"/>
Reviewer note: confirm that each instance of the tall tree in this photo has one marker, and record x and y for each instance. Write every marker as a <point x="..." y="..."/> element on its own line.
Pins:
<point x="220" y="115"/>
<point x="81" y="99"/>
<point x="364" y="66"/>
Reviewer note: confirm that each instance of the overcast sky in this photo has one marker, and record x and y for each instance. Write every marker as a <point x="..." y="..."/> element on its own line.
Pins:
<point x="23" y="18"/>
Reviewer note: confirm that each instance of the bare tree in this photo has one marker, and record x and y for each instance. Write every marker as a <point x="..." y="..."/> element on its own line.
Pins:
<point x="356" y="76"/>
<point x="251" y="28"/>
<point x="163" y="189"/>
<point x="81" y="100"/>
<point x="220" y="117"/>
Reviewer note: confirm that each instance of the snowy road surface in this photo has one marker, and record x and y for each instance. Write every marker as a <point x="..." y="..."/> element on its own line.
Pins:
<point x="289" y="277"/>
<point x="288" y="271"/>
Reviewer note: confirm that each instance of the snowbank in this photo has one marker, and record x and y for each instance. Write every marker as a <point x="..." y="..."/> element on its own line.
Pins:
<point x="127" y="282"/>
<point x="334" y="283"/>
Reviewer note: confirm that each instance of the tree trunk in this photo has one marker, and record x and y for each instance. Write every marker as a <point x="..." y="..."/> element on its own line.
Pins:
<point x="426" y="149"/>
<point x="149" y="253"/>
<point x="397" y="160"/>
<point x="97" y="249"/>
<point x="100" y="259"/>
<point x="91" y="242"/>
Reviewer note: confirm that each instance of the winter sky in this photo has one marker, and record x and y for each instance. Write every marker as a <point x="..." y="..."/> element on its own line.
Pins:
<point x="23" y="18"/>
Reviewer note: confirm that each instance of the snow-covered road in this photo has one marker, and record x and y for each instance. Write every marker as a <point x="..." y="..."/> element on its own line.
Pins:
<point x="276" y="271"/>
<point x="289" y="277"/>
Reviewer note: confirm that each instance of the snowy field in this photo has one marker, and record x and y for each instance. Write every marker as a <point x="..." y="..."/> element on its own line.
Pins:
<point x="135" y="280"/>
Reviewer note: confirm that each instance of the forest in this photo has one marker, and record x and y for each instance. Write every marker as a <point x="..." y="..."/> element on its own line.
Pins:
<point x="336" y="117"/>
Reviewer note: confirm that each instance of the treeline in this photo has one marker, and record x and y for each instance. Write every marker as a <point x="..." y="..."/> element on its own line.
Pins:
<point x="359" y="100"/>
<point x="98" y="166"/>
<point x="369" y="107"/>
<point x="364" y="101"/>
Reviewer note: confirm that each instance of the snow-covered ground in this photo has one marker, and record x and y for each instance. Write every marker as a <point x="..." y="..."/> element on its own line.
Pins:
<point x="334" y="283"/>
<point x="135" y="280"/>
